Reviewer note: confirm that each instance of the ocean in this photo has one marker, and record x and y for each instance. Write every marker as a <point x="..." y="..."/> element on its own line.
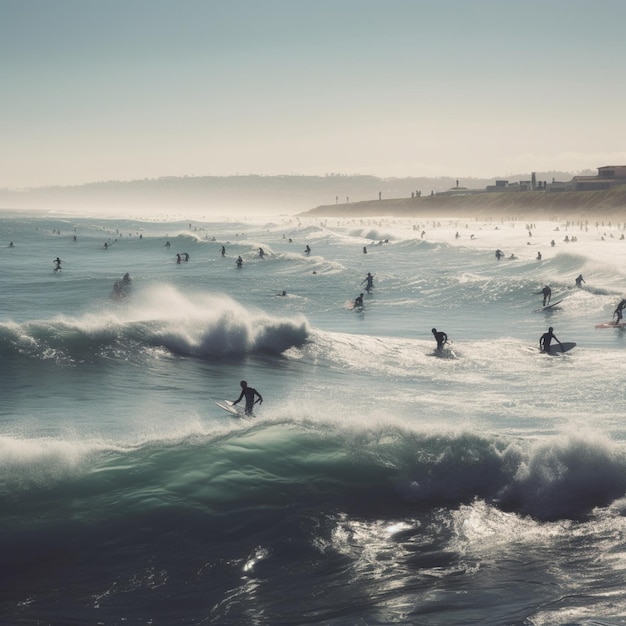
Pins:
<point x="377" y="483"/>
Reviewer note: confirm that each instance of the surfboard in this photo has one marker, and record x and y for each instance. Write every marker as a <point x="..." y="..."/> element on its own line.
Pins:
<point x="557" y="349"/>
<point x="611" y="325"/>
<point x="227" y="405"/>
<point x="446" y="353"/>
<point x="549" y="306"/>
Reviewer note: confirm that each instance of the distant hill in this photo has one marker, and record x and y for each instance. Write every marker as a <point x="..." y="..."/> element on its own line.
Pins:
<point x="590" y="205"/>
<point x="289" y="193"/>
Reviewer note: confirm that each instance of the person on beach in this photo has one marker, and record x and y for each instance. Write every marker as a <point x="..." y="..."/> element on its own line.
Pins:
<point x="546" y="339"/>
<point x="358" y="301"/>
<point x="547" y="294"/>
<point x="250" y="395"/>
<point x="579" y="281"/>
<point x="440" y="337"/>
<point x="369" y="279"/>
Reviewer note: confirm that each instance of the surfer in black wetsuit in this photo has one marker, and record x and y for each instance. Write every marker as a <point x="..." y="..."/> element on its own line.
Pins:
<point x="369" y="279"/>
<point x="358" y="301"/>
<point x="546" y="339"/>
<point x="547" y="294"/>
<point x="618" y="313"/>
<point x="249" y="394"/>
<point x="440" y="337"/>
<point x="579" y="281"/>
<point x="57" y="266"/>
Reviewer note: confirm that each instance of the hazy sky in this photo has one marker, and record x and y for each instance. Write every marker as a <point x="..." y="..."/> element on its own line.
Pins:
<point x="124" y="89"/>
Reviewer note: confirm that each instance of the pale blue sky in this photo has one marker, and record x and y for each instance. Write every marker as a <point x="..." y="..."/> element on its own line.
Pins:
<point x="124" y="89"/>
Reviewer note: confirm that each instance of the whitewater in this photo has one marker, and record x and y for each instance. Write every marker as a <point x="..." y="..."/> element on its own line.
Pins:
<point x="377" y="483"/>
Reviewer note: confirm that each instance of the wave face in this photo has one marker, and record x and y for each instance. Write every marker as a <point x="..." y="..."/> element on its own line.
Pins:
<point x="205" y="326"/>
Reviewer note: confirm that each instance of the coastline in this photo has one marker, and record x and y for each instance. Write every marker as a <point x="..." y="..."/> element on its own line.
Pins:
<point x="590" y="205"/>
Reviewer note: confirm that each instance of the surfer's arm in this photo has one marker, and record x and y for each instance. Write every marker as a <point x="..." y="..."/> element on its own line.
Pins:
<point x="239" y="398"/>
<point x="260" y="400"/>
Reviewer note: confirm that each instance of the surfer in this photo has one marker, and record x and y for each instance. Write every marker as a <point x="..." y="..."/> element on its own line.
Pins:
<point x="579" y="281"/>
<point x="547" y="294"/>
<point x="57" y="264"/>
<point x="223" y="251"/>
<point x="121" y="288"/>
<point x="369" y="279"/>
<point x="261" y="252"/>
<point x="307" y="250"/>
<point x="499" y="254"/>
<point x="546" y="339"/>
<point x="239" y="261"/>
<point x="358" y="301"/>
<point x="249" y="394"/>
<point x="618" y="313"/>
<point x="440" y="337"/>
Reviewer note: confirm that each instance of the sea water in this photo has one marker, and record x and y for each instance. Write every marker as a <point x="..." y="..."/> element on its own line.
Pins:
<point x="377" y="483"/>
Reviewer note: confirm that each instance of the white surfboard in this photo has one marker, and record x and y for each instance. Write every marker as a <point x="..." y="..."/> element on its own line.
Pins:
<point x="548" y="306"/>
<point x="445" y="353"/>
<point x="227" y="405"/>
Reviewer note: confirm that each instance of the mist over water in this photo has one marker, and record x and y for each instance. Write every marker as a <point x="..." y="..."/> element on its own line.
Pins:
<point x="377" y="482"/>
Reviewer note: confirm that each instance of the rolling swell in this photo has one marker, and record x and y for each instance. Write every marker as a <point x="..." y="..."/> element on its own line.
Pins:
<point x="204" y="521"/>
<point x="328" y="467"/>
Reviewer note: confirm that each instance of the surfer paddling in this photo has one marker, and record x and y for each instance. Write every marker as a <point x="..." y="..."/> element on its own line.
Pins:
<point x="546" y="339"/>
<point x="358" y="302"/>
<point x="249" y="394"/>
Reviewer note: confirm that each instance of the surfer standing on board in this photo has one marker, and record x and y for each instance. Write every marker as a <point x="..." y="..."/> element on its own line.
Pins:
<point x="618" y="313"/>
<point x="440" y="337"/>
<point x="546" y="339"/>
<point x="547" y="294"/>
<point x="249" y="394"/>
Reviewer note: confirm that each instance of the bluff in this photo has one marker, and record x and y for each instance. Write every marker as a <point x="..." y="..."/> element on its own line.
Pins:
<point x="591" y="205"/>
